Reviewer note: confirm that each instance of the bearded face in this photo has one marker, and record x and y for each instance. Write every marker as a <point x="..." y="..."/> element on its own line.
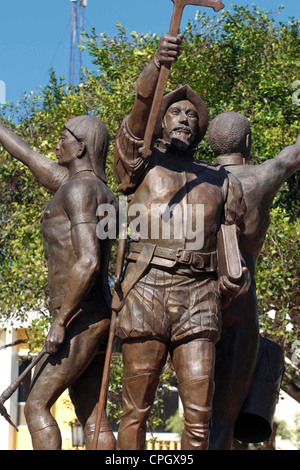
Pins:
<point x="180" y="124"/>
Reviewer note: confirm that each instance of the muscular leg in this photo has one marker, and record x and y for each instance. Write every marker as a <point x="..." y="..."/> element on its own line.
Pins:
<point x="143" y="363"/>
<point x="84" y="394"/>
<point x="194" y="365"/>
<point x="58" y="372"/>
<point x="43" y="428"/>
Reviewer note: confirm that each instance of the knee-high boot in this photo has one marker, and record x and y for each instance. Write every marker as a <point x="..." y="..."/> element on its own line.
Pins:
<point x="138" y="395"/>
<point x="106" y="439"/>
<point x="196" y="396"/>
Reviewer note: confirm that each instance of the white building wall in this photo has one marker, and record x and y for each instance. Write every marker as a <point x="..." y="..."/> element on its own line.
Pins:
<point x="287" y="410"/>
<point x="9" y="372"/>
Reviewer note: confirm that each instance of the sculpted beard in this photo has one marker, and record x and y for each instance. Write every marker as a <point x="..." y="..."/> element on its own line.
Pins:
<point x="182" y="137"/>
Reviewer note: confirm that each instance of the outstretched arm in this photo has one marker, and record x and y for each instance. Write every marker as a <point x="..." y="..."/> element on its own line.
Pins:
<point x="280" y="169"/>
<point x="46" y="171"/>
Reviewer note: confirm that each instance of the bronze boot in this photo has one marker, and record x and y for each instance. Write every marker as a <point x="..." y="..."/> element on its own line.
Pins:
<point x="196" y="396"/>
<point x="106" y="439"/>
<point x="138" y="395"/>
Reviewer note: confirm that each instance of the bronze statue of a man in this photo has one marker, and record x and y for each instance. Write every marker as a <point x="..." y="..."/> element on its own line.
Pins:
<point x="77" y="278"/>
<point x="236" y="352"/>
<point x="171" y="289"/>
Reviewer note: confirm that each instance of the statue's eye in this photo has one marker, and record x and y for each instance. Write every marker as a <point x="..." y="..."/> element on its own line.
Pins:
<point x="192" y="114"/>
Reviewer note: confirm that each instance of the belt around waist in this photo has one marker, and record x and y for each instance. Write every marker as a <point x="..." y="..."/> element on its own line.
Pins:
<point x="198" y="261"/>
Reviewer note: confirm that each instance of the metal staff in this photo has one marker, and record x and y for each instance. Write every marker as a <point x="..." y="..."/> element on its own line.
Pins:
<point x="165" y="70"/>
<point x="13" y="387"/>
<point x="116" y="297"/>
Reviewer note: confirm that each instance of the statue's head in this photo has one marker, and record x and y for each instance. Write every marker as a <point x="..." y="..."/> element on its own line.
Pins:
<point x="93" y="135"/>
<point x="183" y="119"/>
<point x="230" y="133"/>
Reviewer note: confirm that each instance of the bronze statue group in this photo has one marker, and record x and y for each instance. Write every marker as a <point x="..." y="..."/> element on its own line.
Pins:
<point x="193" y="299"/>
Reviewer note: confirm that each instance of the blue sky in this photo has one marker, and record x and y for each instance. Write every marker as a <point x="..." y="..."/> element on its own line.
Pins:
<point x="35" y="34"/>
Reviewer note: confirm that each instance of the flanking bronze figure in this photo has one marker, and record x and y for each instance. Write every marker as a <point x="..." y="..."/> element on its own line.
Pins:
<point x="77" y="278"/>
<point x="236" y="352"/>
<point x="171" y="292"/>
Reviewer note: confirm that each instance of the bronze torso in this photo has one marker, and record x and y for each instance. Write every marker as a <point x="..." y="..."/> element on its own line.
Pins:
<point x="175" y="183"/>
<point x="56" y="230"/>
<point x="237" y="349"/>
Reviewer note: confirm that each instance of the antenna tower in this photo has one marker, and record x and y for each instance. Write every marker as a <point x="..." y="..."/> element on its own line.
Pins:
<point x="77" y="18"/>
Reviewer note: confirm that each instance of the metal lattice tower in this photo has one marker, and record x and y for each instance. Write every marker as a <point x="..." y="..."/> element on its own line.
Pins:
<point x="77" y="18"/>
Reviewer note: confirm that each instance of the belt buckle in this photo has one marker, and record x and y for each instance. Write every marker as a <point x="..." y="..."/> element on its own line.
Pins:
<point x="183" y="256"/>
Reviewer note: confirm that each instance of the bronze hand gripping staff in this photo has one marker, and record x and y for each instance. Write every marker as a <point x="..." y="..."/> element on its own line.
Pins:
<point x="165" y="71"/>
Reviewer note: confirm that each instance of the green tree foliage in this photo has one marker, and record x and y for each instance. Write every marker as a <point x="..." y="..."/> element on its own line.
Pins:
<point x="246" y="61"/>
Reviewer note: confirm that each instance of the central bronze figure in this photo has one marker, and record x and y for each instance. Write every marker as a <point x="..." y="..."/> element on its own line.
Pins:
<point x="173" y="289"/>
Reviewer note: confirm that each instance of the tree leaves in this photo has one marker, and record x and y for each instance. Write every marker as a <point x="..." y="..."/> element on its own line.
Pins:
<point x="243" y="61"/>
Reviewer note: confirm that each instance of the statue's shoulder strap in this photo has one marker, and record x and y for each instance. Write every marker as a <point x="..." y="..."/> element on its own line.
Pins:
<point x="224" y="180"/>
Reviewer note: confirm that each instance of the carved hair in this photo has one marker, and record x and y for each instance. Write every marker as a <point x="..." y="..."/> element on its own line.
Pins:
<point x="94" y="134"/>
<point x="227" y="134"/>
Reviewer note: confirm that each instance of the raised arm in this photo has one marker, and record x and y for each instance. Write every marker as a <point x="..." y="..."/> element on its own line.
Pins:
<point x="46" y="171"/>
<point x="130" y="165"/>
<point x="167" y="53"/>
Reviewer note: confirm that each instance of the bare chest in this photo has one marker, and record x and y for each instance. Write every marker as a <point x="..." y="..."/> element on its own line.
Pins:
<point x="55" y="224"/>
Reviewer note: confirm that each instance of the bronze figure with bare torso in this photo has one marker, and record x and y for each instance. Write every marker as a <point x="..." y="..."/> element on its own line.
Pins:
<point x="236" y="352"/>
<point x="77" y="278"/>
